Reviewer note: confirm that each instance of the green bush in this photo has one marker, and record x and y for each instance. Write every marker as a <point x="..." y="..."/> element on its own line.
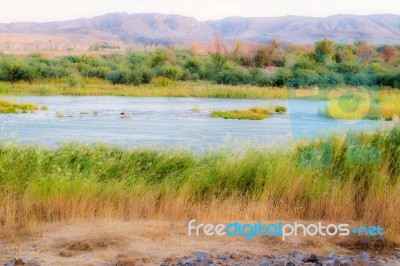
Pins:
<point x="303" y="78"/>
<point x="280" y="109"/>
<point x="116" y="77"/>
<point x="327" y="65"/>
<point x="235" y="76"/>
<point x="330" y="80"/>
<point x="281" y="77"/>
<point x="363" y="78"/>
<point x="259" y="78"/>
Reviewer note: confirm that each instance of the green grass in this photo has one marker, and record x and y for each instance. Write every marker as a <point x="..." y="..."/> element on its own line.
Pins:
<point x="95" y="87"/>
<point x="280" y="109"/>
<point x="256" y="113"/>
<point x="39" y="184"/>
<point x="353" y="105"/>
<point x="7" y="107"/>
<point x="200" y="89"/>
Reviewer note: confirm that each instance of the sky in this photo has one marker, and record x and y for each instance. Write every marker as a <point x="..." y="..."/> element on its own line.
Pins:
<point x="51" y="10"/>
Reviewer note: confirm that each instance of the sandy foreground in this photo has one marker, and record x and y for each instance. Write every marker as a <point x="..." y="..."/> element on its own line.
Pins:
<point x="153" y="242"/>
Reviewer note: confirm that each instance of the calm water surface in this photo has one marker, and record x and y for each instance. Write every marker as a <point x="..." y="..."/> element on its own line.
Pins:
<point x="168" y="122"/>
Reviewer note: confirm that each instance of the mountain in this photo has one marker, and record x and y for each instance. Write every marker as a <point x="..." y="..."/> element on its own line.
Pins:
<point x="341" y="28"/>
<point x="150" y="28"/>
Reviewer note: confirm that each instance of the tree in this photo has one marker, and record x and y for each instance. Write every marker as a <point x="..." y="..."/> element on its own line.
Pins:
<point x="365" y="52"/>
<point x="270" y="54"/>
<point x="13" y="70"/>
<point x="218" y="56"/>
<point x="323" y="51"/>
<point x="387" y="53"/>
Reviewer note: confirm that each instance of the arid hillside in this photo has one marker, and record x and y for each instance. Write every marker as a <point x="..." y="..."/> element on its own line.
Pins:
<point x="119" y="30"/>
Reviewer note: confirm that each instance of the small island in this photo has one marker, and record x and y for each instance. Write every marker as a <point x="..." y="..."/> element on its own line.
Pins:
<point x="255" y="113"/>
<point x="7" y="107"/>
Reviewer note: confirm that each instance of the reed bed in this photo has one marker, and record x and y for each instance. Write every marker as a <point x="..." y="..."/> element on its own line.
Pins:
<point x="83" y="182"/>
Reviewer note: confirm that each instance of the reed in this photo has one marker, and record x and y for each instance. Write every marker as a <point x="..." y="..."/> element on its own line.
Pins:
<point x="7" y="107"/>
<point x="74" y="182"/>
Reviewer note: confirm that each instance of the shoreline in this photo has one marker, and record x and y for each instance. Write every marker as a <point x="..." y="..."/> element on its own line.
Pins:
<point x="154" y="242"/>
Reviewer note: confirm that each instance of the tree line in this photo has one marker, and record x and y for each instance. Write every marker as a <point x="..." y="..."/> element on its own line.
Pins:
<point x="324" y="64"/>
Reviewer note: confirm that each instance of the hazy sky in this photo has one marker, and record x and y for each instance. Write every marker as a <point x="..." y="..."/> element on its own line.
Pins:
<point x="50" y="10"/>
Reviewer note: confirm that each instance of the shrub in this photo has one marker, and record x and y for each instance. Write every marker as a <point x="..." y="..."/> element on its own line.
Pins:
<point x="303" y="78"/>
<point x="281" y="77"/>
<point x="259" y="78"/>
<point x="330" y="80"/>
<point x="233" y="77"/>
<point x="162" y="82"/>
<point x="116" y="77"/>
<point x="74" y="80"/>
<point x="363" y="78"/>
<point x="280" y="109"/>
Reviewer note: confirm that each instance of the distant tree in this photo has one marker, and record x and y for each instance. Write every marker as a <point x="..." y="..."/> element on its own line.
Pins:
<point x="220" y="51"/>
<point x="270" y="54"/>
<point x="324" y="50"/>
<point x="195" y="47"/>
<point x="13" y="71"/>
<point x="220" y="46"/>
<point x="158" y="58"/>
<point x="237" y="53"/>
<point x="345" y="53"/>
<point x="387" y="53"/>
<point x="365" y="52"/>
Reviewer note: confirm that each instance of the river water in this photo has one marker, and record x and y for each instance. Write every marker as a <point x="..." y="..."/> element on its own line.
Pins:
<point x="168" y="122"/>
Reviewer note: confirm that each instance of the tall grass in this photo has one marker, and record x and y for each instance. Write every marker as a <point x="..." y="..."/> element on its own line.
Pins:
<point x="95" y="87"/>
<point x="38" y="184"/>
<point x="7" y="107"/>
<point x="360" y="104"/>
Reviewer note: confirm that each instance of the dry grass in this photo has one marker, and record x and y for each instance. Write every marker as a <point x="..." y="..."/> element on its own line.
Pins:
<point x="176" y="89"/>
<point x="70" y="183"/>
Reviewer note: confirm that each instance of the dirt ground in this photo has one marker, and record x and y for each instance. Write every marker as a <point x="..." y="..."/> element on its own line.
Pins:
<point x="145" y="242"/>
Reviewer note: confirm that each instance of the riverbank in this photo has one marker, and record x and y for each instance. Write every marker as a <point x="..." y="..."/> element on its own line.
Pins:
<point x="336" y="179"/>
<point x="198" y="89"/>
<point x="155" y="242"/>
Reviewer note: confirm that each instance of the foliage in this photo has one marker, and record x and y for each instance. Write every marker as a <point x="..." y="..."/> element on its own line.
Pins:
<point x="326" y="64"/>
<point x="72" y="182"/>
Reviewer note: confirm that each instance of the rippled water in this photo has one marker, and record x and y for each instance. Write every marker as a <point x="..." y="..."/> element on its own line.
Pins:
<point x="168" y="122"/>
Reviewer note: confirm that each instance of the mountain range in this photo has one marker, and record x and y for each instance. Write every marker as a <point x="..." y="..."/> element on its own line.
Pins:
<point x="153" y="28"/>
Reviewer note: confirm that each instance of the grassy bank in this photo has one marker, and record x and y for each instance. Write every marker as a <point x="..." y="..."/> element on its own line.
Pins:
<point x="95" y="87"/>
<point x="361" y="104"/>
<point x="201" y="89"/>
<point x="85" y="182"/>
